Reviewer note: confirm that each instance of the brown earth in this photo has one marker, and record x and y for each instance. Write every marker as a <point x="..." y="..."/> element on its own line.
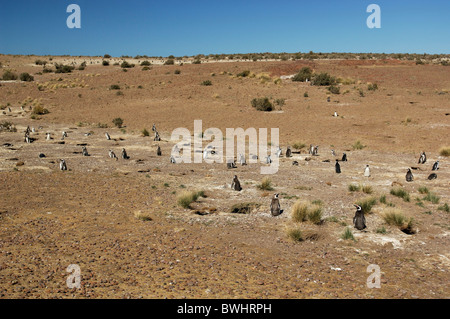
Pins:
<point x="51" y="219"/>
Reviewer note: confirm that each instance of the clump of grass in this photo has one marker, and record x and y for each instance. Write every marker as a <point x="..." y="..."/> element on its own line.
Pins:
<point x="367" y="189"/>
<point x="145" y="132"/>
<point x="358" y="145"/>
<point x="142" y="216"/>
<point x="186" y="198"/>
<point x="294" y="234"/>
<point x="39" y="110"/>
<point x="262" y="104"/>
<point x="367" y="204"/>
<point x="118" y="122"/>
<point x="354" y="188"/>
<point x="444" y="151"/>
<point x="303" y="211"/>
<point x="383" y="199"/>
<point x="395" y="217"/>
<point x="423" y="190"/>
<point x="206" y="83"/>
<point x="381" y="230"/>
<point x="445" y="208"/>
<point x="7" y="126"/>
<point x="400" y="192"/>
<point x="266" y="184"/>
<point x="347" y="234"/>
<point x="114" y="87"/>
<point x="298" y="145"/>
<point x="431" y="197"/>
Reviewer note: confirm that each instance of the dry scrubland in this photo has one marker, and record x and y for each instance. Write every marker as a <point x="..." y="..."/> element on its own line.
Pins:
<point x="145" y="228"/>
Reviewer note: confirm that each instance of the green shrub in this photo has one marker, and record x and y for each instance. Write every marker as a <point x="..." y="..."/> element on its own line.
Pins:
<point x="39" y="110"/>
<point x="61" y="68"/>
<point x="186" y="198"/>
<point x="169" y="62"/>
<point x="431" y="197"/>
<point x="358" y="145"/>
<point x="303" y="74"/>
<point x="105" y="62"/>
<point x="445" y="208"/>
<point x="266" y="184"/>
<point x="177" y="72"/>
<point x="197" y="61"/>
<point x="347" y="234"/>
<point x="26" y="77"/>
<point x="305" y="94"/>
<point x="126" y="65"/>
<point x="114" y="87"/>
<point x="295" y="234"/>
<point x="145" y="132"/>
<point x="423" y="190"/>
<point x="444" y="151"/>
<point x="372" y="87"/>
<point x="262" y="104"/>
<point x="145" y="63"/>
<point x="400" y="192"/>
<point x="243" y="208"/>
<point x="323" y="79"/>
<point x="354" y="188"/>
<point x="243" y="74"/>
<point x="8" y="75"/>
<point x="206" y="83"/>
<point x="334" y="89"/>
<point x="118" y="122"/>
<point x="367" y="203"/>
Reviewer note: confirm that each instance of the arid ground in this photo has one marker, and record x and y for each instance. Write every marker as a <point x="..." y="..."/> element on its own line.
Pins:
<point x="120" y="222"/>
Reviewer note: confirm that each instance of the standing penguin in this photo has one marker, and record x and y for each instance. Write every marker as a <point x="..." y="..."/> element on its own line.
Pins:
<point x="344" y="157"/>
<point x="409" y="176"/>
<point x="367" y="171"/>
<point x="62" y="165"/>
<point x="422" y="158"/>
<point x="288" y="152"/>
<point x="337" y="167"/>
<point x="124" y="154"/>
<point x="275" y="206"/>
<point x="359" y="220"/>
<point x="158" y="151"/>
<point x="235" y="184"/>
<point x="435" y="166"/>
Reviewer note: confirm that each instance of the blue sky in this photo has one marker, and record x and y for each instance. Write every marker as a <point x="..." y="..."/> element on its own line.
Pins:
<point x="162" y="28"/>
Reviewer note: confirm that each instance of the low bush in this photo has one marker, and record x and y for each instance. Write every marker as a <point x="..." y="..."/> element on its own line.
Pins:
<point x="262" y="104"/>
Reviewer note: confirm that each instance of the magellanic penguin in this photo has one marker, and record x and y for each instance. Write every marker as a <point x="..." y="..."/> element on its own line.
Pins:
<point x="435" y="166"/>
<point x="124" y="154"/>
<point x="422" y="158"/>
<point x="409" y="176"/>
<point x="235" y="184"/>
<point x="62" y="165"/>
<point x="344" y="157"/>
<point x="337" y="167"/>
<point x="359" y="220"/>
<point x="288" y="152"/>
<point x="172" y="160"/>
<point x="158" y="151"/>
<point x="275" y="206"/>
<point x="432" y="176"/>
<point x="367" y="171"/>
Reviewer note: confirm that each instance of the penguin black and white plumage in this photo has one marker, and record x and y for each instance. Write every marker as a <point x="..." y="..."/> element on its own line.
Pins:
<point x="279" y="152"/>
<point x="231" y="164"/>
<point x="315" y="150"/>
<point x="62" y="165"/>
<point x="359" y="221"/>
<point x="158" y="151"/>
<point x="337" y="167"/>
<point x="367" y="171"/>
<point x="435" y="166"/>
<point x="107" y="136"/>
<point x="275" y="206"/>
<point x="335" y="114"/>
<point x="422" y="158"/>
<point x="288" y="152"/>
<point x="124" y="154"/>
<point x="432" y="176"/>
<point x="154" y="127"/>
<point x="333" y="153"/>
<point x="409" y="176"/>
<point x="84" y="151"/>
<point x="242" y="160"/>
<point x="172" y="160"/>
<point x="268" y="160"/>
<point x="295" y="163"/>
<point x="235" y="184"/>
<point x="344" y="157"/>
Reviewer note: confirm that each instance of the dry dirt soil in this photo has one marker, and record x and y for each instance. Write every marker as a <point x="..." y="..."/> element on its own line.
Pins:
<point x="88" y="215"/>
